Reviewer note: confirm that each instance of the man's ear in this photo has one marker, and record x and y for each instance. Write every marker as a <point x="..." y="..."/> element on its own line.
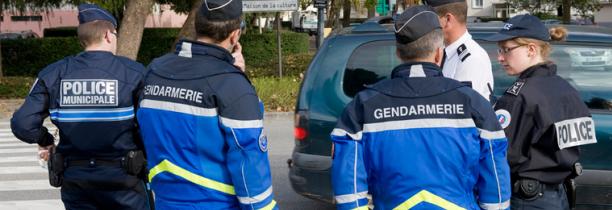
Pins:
<point x="439" y="55"/>
<point x="234" y="36"/>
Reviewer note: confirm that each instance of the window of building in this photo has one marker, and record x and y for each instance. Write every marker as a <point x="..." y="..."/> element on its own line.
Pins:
<point x="477" y="3"/>
<point x="26" y="18"/>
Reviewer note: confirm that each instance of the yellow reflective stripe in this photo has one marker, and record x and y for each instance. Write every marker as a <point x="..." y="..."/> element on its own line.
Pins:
<point x="270" y="206"/>
<point x="167" y="166"/>
<point x="425" y="196"/>
<point x="361" y="208"/>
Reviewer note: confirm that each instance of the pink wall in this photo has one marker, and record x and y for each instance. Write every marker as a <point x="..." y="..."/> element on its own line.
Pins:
<point x="162" y="17"/>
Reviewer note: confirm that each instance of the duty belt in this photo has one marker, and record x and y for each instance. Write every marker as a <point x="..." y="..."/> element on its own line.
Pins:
<point x="95" y="162"/>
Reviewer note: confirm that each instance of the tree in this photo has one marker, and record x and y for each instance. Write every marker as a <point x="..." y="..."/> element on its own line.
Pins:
<point x="132" y="26"/>
<point x="543" y="7"/>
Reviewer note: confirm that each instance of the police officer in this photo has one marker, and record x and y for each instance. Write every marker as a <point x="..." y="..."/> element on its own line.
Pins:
<point x="541" y="113"/>
<point x="90" y="98"/>
<point x="419" y="139"/>
<point x="465" y="60"/>
<point x="203" y="122"/>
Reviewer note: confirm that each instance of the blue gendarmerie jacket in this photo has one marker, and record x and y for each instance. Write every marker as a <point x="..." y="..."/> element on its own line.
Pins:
<point x="203" y="128"/>
<point x="420" y="141"/>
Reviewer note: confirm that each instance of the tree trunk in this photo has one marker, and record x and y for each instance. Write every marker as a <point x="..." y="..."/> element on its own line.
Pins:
<point x="132" y="26"/>
<point x="188" y="29"/>
<point x="334" y="14"/>
<point x="346" y="13"/>
<point x="567" y="5"/>
<point x="371" y="12"/>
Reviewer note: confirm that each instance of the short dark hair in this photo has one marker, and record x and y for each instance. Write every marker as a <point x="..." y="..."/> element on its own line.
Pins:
<point x="215" y="30"/>
<point x="458" y="9"/>
<point x="93" y="32"/>
<point x="422" y="47"/>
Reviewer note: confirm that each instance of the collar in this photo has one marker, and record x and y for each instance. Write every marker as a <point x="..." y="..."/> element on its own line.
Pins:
<point x="416" y="69"/>
<point x="188" y="48"/>
<point x="95" y="54"/>
<point x="542" y="69"/>
<point x="451" y="49"/>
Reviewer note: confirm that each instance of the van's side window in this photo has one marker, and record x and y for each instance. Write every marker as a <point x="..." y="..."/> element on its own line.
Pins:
<point x="369" y="63"/>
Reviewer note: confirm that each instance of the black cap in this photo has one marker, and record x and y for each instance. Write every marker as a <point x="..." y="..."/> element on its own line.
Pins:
<point x="221" y="10"/>
<point x="527" y="26"/>
<point x="414" y="23"/>
<point x="435" y="3"/>
<point x="91" y="12"/>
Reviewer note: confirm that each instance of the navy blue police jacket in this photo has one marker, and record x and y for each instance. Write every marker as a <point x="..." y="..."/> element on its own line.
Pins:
<point x="202" y="122"/>
<point x="90" y="98"/>
<point x="420" y="141"/>
<point x="546" y="121"/>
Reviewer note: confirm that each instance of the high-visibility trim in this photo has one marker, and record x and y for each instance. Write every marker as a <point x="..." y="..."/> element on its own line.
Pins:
<point x="426" y="196"/>
<point x="495" y="206"/>
<point x="256" y="199"/>
<point x="340" y="199"/>
<point x="486" y="134"/>
<point x="185" y="50"/>
<point x="417" y="71"/>
<point x="362" y="208"/>
<point x="341" y="132"/>
<point x="91" y="115"/>
<point x="270" y="206"/>
<point x="418" y="123"/>
<point x="176" y="107"/>
<point x="241" y="123"/>
<point x="167" y="166"/>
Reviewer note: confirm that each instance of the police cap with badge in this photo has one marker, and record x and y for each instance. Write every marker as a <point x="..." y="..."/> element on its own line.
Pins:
<point x="436" y="3"/>
<point x="414" y="23"/>
<point x="92" y="12"/>
<point x="221" y="10"/>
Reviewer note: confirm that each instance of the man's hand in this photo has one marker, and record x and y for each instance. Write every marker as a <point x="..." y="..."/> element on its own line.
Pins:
<point x="44" y="152"/>
<point x="238" y="58"/>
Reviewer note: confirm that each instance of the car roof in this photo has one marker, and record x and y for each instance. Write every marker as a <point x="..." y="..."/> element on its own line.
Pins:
<point x="576" y="33"/>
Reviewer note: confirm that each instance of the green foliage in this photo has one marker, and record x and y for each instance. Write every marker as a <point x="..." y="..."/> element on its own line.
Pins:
<point x="25" y="57"/>
<point x="277" y="94"/>
<point x="15" y="87"/>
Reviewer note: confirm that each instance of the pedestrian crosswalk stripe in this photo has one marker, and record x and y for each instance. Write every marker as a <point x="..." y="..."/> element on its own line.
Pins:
<point x="18" y="159"/>
<point x="54" y="204"/>
<point x="22" y="170"/>
<point x="25" y="185"/>
<point x="33" y="149"/>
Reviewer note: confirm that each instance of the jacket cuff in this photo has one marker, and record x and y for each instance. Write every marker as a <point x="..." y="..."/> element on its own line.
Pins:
<point x="46" y="139"/>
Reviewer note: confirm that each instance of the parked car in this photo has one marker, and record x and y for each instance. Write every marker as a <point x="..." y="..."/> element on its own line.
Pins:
<point x="18" y="35"/>
<point x="365" y="54"/>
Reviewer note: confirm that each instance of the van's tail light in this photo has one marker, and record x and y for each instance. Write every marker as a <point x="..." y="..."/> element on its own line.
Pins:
<point x="300" y="130"/>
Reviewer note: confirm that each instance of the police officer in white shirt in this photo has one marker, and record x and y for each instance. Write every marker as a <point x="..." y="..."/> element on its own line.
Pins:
<point x="465" y="60"/>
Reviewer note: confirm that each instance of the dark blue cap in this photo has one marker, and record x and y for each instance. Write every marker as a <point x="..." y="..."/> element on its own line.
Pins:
<point x="91" y="12"/>
<point x="414" y="23"/>
<point x="526" y="26"/>
<point x="221" y="10"/>
<point x="435" y="3"/>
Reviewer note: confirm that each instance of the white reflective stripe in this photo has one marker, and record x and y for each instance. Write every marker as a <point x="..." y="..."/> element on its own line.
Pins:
<point x="340" y="132"/>
<point x="33" y="85"/>
<point x="176" y="107"/>
<point x="417" y="71"/>
<point x="185" y="50"/>
<point x="256" y="199"/>
<point x="241" y="123"/>
<point x="340" y="199"/>
<point x="496" y="206"/>
<point x="87" y="119"/>
<point x="69" y="111"/>
<point x="486" y="134"/>
<point x="418" y="123"/>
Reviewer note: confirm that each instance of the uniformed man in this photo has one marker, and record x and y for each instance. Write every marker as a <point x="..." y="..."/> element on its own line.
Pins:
<point x="465" y="60"/>
<point x="543" y="116"/>
<point x="91" y="99"/>
<point x="418" y="139"/>
<point x="203" y="122"/>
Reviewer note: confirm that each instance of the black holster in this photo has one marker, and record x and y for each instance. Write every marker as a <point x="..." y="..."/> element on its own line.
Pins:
<point x="570" y="185"/>
<point x="56" y="169"/>
<point x="528" y="189"/>
<point x="135" y="163"/>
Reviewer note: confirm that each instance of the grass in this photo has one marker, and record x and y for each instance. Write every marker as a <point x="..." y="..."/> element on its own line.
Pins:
<point x="15" y="87"/>
<point x="277" y="94"/>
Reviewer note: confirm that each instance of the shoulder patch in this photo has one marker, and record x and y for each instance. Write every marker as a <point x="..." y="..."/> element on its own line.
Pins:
<point x="503" y="117"/>
<point x="263" y="142"/>
<point x="515" y="89"/>
<point x="465" y="57"/>
<point x="461" y="49"/>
